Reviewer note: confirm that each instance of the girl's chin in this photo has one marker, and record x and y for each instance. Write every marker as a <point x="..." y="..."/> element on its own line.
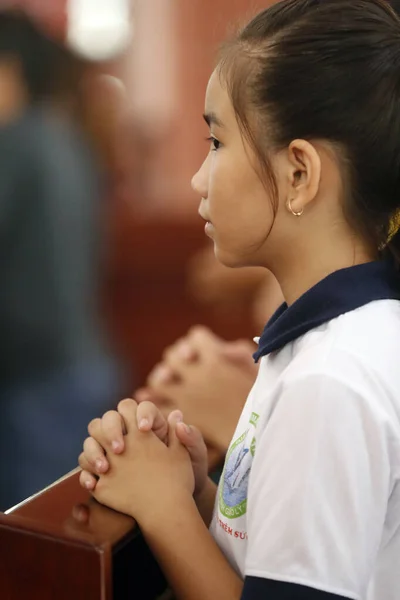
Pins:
<point x="230" y="259"/>
<point x="225" y="258"/>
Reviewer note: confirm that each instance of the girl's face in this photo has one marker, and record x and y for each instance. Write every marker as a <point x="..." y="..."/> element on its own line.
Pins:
<point x="251" y="228"/>
<point x="234" y="201"/>
<point x="248" y="226"/>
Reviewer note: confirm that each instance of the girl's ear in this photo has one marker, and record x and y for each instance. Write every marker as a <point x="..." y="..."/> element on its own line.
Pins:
<point x="304" y="166"/>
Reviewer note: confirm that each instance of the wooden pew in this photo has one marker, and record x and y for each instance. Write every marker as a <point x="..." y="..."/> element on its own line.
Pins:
<point x="47" y="554"/>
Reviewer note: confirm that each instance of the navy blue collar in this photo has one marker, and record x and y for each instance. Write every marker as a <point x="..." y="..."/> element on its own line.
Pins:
<point x="337" y="294"/>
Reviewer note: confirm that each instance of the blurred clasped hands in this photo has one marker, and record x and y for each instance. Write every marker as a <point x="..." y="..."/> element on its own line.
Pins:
<point x="207" y="379"/>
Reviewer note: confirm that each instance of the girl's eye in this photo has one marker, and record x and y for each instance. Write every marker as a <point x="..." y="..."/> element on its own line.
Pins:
<point x="215" y="144"/>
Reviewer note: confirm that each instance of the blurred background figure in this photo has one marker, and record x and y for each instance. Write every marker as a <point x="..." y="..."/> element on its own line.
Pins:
<point x="56" y="371"/>
<point x="103" y="257"/>
<point x="202" y="374"/>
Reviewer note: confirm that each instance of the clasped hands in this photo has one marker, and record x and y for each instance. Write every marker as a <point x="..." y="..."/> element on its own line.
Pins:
<point x="142" y="451"/>
<point x="135" y="459"/>
<point x="208" y="379"/>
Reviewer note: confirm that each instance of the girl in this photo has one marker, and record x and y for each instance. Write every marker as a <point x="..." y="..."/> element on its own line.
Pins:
<point x="303" y="178"/>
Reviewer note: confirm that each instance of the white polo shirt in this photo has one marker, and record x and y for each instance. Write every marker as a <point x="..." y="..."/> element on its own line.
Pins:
<point x="310" y="493"/>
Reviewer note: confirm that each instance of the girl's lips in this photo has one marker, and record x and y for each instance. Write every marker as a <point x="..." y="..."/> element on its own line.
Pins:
<point x="203" y="216"/>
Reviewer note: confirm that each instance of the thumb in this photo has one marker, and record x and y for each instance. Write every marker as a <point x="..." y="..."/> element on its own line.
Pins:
<point x="191" y="438"/>
<point x="174" y="418"/>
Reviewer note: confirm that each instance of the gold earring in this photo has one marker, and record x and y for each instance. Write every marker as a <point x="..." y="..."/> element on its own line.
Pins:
<point x="290" y="209"/>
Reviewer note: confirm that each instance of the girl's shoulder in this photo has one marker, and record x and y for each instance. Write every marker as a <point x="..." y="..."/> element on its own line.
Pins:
<point x="356" y="355"/>
<point x="363" y="340"/>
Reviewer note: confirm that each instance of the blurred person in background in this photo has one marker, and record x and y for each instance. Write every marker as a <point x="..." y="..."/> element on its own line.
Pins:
<point x="202" y="374"/>
<point x="56" y="371"/>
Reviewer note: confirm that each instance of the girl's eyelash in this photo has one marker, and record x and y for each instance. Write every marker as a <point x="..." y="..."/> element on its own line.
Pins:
<point x="214" y="141"/>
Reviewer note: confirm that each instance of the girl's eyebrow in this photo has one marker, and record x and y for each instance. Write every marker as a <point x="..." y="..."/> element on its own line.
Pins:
<point x="212" y="119"/>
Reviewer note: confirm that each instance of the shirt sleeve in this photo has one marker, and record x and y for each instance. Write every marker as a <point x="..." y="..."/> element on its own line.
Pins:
<point x="319" y="488"/>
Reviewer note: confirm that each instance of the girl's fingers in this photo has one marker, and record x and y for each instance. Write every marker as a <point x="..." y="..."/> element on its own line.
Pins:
<point x="87" y="480"/>
<point x="113" y="431"/>
<point x="94" y="428"/>
<point x="94" y="455"/>
<point x="127" y="411"/>
<point x="193" y="441"/>
<point x="174" y="418"/>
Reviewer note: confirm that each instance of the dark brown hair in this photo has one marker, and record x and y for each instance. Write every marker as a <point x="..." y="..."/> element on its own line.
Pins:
<point x="326" y="70"/>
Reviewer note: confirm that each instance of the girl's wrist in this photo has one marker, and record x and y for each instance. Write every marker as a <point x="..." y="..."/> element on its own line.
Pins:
<point x="204" y="491"/>
<point x="205" y="501"/>
<point x="170" y="506"/>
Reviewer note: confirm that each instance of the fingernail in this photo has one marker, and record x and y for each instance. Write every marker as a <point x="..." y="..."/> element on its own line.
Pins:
<point x="144" y="423"/>
<point x="116" y="446"/>
<point x="188" y="429"/>
<point x="175" y="417"/>
<point x="99" y="465"/>
<point x="88" y="485"/>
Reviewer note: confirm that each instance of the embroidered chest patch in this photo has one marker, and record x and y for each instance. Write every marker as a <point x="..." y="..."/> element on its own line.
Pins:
<point x="235" y="477"/>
